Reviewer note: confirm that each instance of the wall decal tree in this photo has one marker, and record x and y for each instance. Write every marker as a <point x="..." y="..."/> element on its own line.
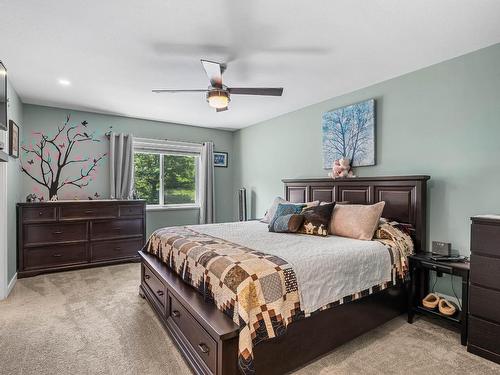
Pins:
<point x="50" y="156"/>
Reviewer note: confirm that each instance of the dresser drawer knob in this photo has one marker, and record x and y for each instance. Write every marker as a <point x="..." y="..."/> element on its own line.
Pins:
<point x="159" y="292"/>
<point x="57" y="255"/>
<point x="40" y="213"/>
<point x="118" y="248"/>
<point x="204" y="348"/>
<point x="176" y="314"/>
<point x="116" y="228"/>
<point x="89" y="211"/>
<point x="57" y="232"/>
<point x="146" y="277"/>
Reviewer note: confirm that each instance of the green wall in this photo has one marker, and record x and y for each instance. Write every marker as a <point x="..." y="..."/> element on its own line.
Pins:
<point x="443" y="121"/>
<point x="14" y="190"/>
<point x="39" y="118"/>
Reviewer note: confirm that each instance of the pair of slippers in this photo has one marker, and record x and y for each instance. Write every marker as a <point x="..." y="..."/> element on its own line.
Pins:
<point x="432" y="300"/>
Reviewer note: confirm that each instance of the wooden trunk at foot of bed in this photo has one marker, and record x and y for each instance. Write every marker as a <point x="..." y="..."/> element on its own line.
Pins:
<point x="208" y="339"/>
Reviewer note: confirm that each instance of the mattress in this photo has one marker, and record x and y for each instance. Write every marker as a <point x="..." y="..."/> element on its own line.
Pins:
<point x="327" y="268"/>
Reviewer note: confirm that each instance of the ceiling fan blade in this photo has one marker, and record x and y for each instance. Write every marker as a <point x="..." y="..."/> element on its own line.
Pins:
<point x="214" y="72"/>
<point x="174" y="91"/>
<point x="221" y="109"/>
<point x="270" y="91"/>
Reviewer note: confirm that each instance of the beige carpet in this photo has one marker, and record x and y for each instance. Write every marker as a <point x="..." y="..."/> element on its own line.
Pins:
<point x="93" y="322"/>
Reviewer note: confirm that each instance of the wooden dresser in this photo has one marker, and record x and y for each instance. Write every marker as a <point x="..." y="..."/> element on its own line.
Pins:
<point x="65" y="235"/>
<point x="484" y="299"/>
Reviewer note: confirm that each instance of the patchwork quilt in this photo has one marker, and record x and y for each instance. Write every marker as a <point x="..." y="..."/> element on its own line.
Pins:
<point x="258" y="291"/>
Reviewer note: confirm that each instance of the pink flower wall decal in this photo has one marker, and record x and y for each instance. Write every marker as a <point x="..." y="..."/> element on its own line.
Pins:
<point x="48" y="157"/>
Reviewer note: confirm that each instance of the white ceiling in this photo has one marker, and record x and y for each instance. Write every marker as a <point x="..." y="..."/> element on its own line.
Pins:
<point x="115" y="51"/>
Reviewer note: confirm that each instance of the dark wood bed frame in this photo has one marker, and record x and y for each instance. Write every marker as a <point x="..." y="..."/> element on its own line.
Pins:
<point x="209" y="339"/>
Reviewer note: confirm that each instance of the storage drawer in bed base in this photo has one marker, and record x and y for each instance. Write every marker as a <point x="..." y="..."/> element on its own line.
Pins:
<point x="207" y="338"/>
<point x="204" y="323"/>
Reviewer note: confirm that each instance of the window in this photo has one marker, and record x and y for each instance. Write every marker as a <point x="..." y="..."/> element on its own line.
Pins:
<point x="166" y="176"/>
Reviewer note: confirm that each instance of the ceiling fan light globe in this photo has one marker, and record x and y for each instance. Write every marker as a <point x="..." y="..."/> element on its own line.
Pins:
<point x="218" y="99"/>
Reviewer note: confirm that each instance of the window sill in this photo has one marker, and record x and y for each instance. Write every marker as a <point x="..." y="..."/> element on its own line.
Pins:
<point x="172" y="207"/>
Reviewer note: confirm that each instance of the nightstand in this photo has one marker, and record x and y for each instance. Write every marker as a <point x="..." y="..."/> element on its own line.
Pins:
<point x="420" y="266"/>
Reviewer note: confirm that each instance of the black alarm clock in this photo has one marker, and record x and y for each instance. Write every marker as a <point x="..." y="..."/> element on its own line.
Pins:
<point x="441" y="248"/>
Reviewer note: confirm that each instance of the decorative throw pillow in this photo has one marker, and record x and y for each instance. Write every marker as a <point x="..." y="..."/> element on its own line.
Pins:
<point x="356" y="221"/>
<point x="272" y="210"/>
<point x="283" y="210"/>
<point x="288" y="223"/>
<point x="317" y="219"/>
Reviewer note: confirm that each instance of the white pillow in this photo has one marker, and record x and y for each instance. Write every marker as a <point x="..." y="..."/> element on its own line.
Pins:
<point x="272" y="210"/>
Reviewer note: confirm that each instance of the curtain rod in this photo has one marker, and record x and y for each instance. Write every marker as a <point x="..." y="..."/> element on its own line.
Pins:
<point x="108" y="134"/>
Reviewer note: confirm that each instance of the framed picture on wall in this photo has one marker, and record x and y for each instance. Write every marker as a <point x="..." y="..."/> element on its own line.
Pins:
<point x="13" y="139"/>
<point x="349" y="132"/>
<point x="220" y="159"/>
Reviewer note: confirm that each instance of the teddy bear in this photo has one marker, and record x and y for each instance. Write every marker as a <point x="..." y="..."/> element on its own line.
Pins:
<point x="341" y="168"/>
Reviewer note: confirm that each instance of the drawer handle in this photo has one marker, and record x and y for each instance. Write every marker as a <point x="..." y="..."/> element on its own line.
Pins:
<point x="40" y="213"/>
<point x="57" y="255"/>
<point x="159" y="292"/>
<point x="176" y="314"/>
<point x="118" y="248"/>
<point x="204" y="348"/>
<point x="146" y="277"/>
<point x="57" y="232"/>
<point x="89" y="211"/>
<point x="436" y="267"/>
<point x="116" y="228"/>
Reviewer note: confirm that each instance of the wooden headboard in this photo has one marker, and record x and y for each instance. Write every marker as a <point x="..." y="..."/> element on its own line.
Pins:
<point x="405" y="197"/>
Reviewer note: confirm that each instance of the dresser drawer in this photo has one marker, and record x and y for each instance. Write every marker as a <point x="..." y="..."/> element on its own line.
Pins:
<point x="88" y="211"/>
<point x="202" y="343"/>
<point x="485" y="271"/>
<point x="39" y="214"/>
<point x="484" y="334"/>
<point x="116" y="228"/>
<point x="45" y="233"/>
<point x="484" y="303"/>
<point x="109" y="250"/>
<point x="485" y="239"/>
<point x="155" y="286"/>
<point x="131" y="210"/>
<point x="54" y="256"/>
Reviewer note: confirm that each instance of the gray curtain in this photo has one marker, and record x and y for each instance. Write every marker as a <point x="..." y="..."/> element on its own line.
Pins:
<point x="207" y="214"/>
<point x="121" y="165"/>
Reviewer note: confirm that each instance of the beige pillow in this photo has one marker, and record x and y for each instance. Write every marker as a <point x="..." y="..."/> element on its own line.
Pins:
<point x="356" y="221"/>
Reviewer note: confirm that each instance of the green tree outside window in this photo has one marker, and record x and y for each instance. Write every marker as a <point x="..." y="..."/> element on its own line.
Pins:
<point x="178" y="178"/>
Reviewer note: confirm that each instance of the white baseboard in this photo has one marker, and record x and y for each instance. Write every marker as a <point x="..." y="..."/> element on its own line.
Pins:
<point x="11" y="284"/>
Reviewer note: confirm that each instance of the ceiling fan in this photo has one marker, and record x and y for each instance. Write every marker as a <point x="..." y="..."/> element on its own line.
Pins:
<point x="218" y="94"/>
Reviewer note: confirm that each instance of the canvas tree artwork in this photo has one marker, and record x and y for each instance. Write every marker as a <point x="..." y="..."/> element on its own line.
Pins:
<point x="349" y="132"/>
<point x="54" y="161"/>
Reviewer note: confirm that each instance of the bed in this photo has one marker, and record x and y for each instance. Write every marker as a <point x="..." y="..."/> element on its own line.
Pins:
<point x="237" y="298"/>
